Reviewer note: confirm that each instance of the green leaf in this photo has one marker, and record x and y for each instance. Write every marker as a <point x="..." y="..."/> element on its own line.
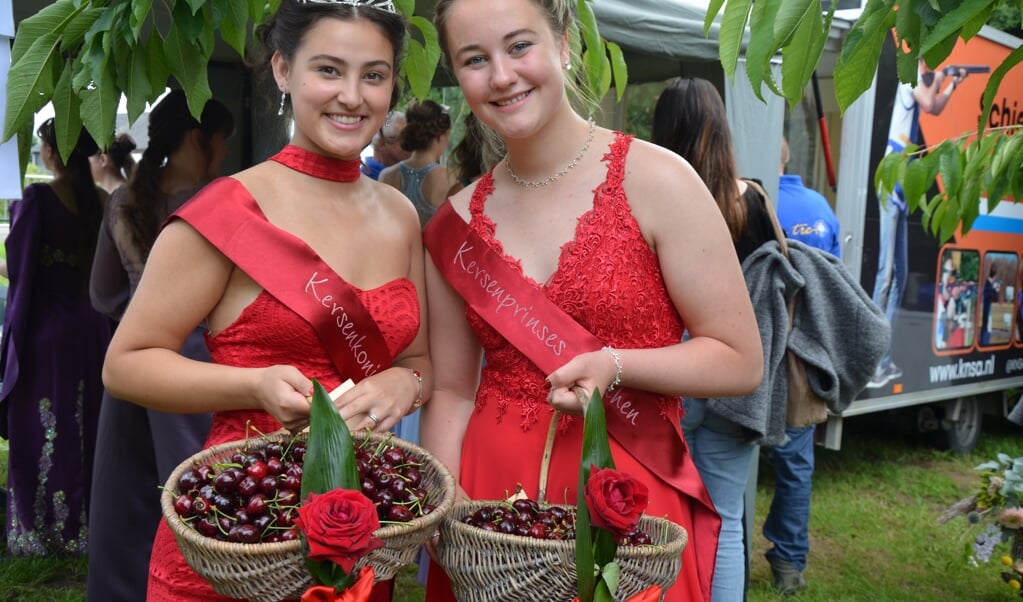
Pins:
<point x="791" y="16"/>
<point x="907" y="26"/>
<point x="950" y="220"/>
<point x="858" y="61"/>
<point x="186" y="20"/>
<point x="66" y="105"/>
<point x="948" y="26"/>
<point x="611" y="574"/>
<point x="713" y="8"/>
<point x="733" y="29"/>
<point x="603" y="592"/>
<point x="950" y="166"/>
<point x="915" y="184"/>
<point x="405" y="7"/>
<point x="140" y="10"/>
<point x="197" y="89"/>
<point x="585" y="580"/>
<point x="80" y="23"/>
<point x="158" y="69"/>
<point x="52" y="19"/>
<point x="25" y="147"/>
<point x="232" y="17"/>
<point x="194" y="6"/>
<point x="30" y="83"/>
<point x="593" y="54"/>
<point x="415" y="64"/>
<point x="431" y="48"/>
<point x="99" y="106"/>
<point x="761" y="46"/>
<point x="619" y="69"/>
<point x="993" y="83"/>
<point x="890" y="172"/>
<point x="329" y="464"/>
<point x="139" y="87"/>
<point x="330" y="453"/>
<point x="803" y="55"/>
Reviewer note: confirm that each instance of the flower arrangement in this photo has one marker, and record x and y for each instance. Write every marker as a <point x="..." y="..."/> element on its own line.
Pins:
<point x="996" y="514"/>
<point x="609" y="506"/>
<point x="336" y="519"/>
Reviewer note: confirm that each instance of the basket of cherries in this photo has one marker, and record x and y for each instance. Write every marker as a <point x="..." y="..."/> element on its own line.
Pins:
<point x="522" y="550"/>
<point x="233" y="509"/>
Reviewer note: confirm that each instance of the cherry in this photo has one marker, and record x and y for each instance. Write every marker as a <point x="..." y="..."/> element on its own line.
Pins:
<point x="184" y="506"/>
<point x="248" y="486"/>
<point x="257" y="470"/>
<point x="399" y="513"/>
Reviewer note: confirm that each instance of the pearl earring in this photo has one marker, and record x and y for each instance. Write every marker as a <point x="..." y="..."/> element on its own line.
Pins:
<point x="568" y="66"/>
<point x="280" y="110"/>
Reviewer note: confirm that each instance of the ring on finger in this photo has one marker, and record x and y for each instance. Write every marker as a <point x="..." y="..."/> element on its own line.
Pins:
<point x="374" y="418"/>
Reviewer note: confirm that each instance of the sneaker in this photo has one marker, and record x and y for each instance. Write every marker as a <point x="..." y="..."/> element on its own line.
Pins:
<point x="881" y="377"/>
<point x="787" y="579"/>
<point x="893" y="372"/>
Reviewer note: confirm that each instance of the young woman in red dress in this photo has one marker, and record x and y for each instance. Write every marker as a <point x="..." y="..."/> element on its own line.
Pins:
<point x="617" y="234"/>
<point x="283" y="261"/>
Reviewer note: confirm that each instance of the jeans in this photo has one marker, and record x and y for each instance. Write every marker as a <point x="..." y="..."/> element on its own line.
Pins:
<point x="723" y="455"/>
<point x="892" y="263"/>
<point x="787" y="524"/>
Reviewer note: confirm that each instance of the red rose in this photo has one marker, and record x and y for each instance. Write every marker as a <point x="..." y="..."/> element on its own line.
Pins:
<point x="615" y="500"/>
<point x="338" y="526"/>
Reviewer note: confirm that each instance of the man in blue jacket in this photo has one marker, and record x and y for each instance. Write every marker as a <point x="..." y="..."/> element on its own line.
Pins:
<point x="806" y="216"/>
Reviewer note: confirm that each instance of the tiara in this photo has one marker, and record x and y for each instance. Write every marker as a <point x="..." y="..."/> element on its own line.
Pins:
<point x="384" y="5"/>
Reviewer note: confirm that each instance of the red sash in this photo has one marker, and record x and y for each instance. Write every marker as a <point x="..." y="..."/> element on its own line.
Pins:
<point x="226" y="215"/>
<point x="549" y="337"/>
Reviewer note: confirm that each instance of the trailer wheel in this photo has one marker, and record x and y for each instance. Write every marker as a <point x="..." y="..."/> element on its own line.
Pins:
<point x="961" y="436"/>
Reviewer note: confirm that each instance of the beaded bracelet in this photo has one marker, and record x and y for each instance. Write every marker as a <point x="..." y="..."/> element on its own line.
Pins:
<point x="618" y="367"/>
<point x="418" y="403"/>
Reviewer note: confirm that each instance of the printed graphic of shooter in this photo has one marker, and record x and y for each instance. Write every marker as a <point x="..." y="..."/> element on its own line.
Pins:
<point x="931" y="93"/>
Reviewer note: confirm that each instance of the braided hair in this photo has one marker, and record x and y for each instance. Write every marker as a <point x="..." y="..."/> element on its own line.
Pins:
<point x="169" y="122"/>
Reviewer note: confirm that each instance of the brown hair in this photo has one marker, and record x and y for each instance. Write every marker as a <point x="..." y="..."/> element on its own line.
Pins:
<point x="424" y="123"/>
<point x="690" y="120"/>
<point x="169" y="122"/>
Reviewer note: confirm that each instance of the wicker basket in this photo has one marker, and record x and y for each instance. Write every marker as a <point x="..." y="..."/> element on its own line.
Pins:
<point x="486" y="566"/>
<point x="268" y="572"/>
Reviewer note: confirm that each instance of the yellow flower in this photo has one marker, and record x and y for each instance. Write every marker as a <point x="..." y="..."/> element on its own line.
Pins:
<point x="1014" y="583"/>
<point x="1007" y="561"/>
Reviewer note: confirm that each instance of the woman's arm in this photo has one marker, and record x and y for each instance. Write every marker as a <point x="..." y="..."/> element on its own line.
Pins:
<point x="184" y="280"/>
<point x="457" y="358"/>
<point x="682" y="223"/>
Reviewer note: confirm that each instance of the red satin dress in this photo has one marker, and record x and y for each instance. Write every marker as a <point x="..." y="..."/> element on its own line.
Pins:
<point x="609" y="281"/>
<point x="268" y="333"/>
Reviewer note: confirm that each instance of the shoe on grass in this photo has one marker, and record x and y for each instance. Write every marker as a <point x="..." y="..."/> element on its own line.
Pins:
<point x="787" y="579"/>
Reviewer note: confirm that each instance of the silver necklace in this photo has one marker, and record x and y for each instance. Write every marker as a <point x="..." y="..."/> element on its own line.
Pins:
<point x="564" y="170"/>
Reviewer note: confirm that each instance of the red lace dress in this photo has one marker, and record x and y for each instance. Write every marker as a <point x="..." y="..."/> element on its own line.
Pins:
<point x="268" y="333"/>
<point x="608" y="279"/>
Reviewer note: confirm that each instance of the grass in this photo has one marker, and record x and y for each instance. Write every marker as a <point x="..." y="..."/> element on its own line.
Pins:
<point x="874" y="534"/>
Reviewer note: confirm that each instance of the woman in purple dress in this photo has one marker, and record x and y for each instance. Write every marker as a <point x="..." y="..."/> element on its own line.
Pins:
<point x="52" y="353"/>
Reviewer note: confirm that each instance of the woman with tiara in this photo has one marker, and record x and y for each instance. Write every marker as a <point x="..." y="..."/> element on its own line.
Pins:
<point x="260" y="257"/>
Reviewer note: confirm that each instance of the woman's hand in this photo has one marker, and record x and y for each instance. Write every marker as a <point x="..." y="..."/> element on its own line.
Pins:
<point x="586" y="371"/>
<point x="378" y="402"/>
<point x="283" y="392"/>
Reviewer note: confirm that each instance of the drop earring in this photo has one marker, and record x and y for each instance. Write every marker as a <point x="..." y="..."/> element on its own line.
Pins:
<point x="568" y="66"/>
<point x="280" y="110"/>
